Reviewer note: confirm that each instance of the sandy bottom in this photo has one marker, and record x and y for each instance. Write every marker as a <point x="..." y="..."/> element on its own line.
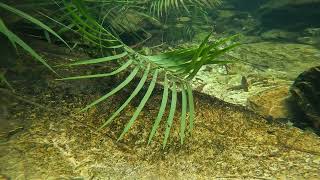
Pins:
<point x="228" y="142"/>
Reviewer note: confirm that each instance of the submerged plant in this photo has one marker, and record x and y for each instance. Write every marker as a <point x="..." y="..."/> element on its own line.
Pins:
<point x="135" y="18"/>
<point x="9" y="92"/>
<point x="15" y="40"/>
<point x="174" y="69"/>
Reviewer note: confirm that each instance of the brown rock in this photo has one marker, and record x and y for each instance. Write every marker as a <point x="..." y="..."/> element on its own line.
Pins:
<point x="270" y="103"/>
<point x="305" y="98"/>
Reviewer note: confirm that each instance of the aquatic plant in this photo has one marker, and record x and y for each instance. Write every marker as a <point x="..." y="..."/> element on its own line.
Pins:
<point x="15" y="40"/>
<point x="8" y="91"/>
<point x="174" y="69"/>
<point x="131" y="17"/>
<point x="3" y="80"/>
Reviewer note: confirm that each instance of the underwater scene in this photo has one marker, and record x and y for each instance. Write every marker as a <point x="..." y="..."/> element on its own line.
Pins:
<point x="159" y="89"/>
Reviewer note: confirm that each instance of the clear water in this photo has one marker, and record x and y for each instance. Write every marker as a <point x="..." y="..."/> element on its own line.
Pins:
<point x="256" y="117"/>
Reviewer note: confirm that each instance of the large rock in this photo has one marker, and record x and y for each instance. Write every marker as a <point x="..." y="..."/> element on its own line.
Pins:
<point x="246" y="5"/>
<point x="279" y="35"/>
<point x="289" y="14"/>
<point x="306" y="97"/>
<point x="279" y="60"/>
<point x="310" y="36"/>
<point x="261" y="67"/>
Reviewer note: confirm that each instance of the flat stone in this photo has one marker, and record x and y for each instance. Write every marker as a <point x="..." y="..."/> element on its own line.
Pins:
<point x="271" y="103"/>
<point x="265" y="65"/>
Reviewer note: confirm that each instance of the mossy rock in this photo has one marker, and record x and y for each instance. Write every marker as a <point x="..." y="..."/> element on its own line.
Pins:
<point x="290" y="15"/>
<point x="306" y="98"/>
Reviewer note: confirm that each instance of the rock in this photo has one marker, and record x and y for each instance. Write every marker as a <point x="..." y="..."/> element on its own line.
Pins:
<point x="310" y="36"/>
<point x="215" y="81"/>
<point x="305" y="98"/>
<point x="278" y="34"/>
<point x="312" y="32"/>
<point x="226" y="13"/>
<point x="246" y="5"/>
<point x="234" y="21"/>
<point x="265" y="65"/>
<point x="289" y="14"/>
<point x="278" y="60"/>
<point x="271" y="103"/>
<point x="309" y="40"/>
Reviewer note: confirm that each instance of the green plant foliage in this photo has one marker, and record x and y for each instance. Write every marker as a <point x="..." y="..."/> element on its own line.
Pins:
<point x="133" y="94"/>
<point x="171" y="114"/>
<point x="162" y="7"/>
<point x="183" y="115"/>
<point x="31" y="19"/>
<point x="14" y="39"/>
<point x="161" y="110"/>
<point x="3" y="80"/>
<point x="178" y="67"/>
<point x="130" y="17"/>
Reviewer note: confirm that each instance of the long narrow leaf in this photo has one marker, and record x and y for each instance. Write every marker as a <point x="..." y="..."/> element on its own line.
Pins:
<point x="118" y="88"/>
<point x="141" y="105"/>
<point x="161" y="110"/>
<point x="5" y="31"/>
<point x="191" y="107"/>
<point x="171" y="114"/>
<point x="16" y="39"/>
<point x="133" y="94"/>
<point x="120" y="69"/>
<point x="183" y="115"/>
<point x="31" y="19"/>
<point x="99" y="60"/>
<point x="4" y="80"/>
<point x="199" y="51"/>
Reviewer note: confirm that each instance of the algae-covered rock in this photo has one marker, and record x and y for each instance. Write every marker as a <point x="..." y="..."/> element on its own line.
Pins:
<point x="232" y="22"/>
<point x="287" y="60"/>
<point x="289" y="14"/>
<point x="312" y="31"/>
<point x="264" y="65"/>
<point x="310" y="36"/>
<point x="309" y="40"/>
<point x="271" y="103"/>
<point x="280" y="35"/>
<point x="306" y="97"/>
<point x="246" y="5"/>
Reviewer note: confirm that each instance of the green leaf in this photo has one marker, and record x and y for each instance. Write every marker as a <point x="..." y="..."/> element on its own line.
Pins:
<point x="4" y="80"/>
<point x="191" y="107"/>
<point x="141" y="105"/>
<point x="99" y="60"/>
<point x="198" y="53"/>
<point x="133" y="94"/>
<point x="31" y="19"/>
<point x="183" y="115"/>
<point x="118" y="88"/>
<point x="120" y="69"/>
<point x="171" y="114"/>
<point x="17" y="40"/>
<point x="161" y="110"/>
<point x="6" y="32"/>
